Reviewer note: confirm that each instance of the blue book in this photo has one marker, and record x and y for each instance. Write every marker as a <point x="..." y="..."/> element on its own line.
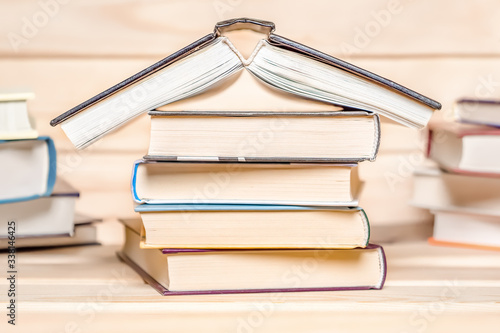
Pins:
<point x="278" y="183"/>
<point x="28" y="169"/>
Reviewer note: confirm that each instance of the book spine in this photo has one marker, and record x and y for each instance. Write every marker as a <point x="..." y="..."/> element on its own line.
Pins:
<point x="133" y="182"/>
<point x="51" y="178"/>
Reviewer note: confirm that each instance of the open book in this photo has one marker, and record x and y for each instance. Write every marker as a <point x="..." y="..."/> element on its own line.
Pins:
<point x="276" y="61"/>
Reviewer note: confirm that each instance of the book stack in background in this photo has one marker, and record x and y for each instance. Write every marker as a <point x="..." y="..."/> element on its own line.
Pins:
<point x="250" y="183"/>
<point x="36" y="209"/>
<point x="463" y="190"/>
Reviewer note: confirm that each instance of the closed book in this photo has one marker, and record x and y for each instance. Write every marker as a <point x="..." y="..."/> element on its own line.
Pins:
<point x="85" y="233"/>
<point x="250" y="183"/>
<point x="464" y="148"/>
<point x="41" y="217"/>
<point x="189" y="272"/>
<point x="28" y="169"/>
<point x="478" y="111"/>
<point x="213" y="226"/>
<point x="264" y="137"/>
<point x="15" y="121"/>
<point x="435" y="189"/>
<point x="466" y="230"/>
<point x="278" y="62"/>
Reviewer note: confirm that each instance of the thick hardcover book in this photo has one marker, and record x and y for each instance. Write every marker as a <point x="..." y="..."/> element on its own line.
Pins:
<point x="464" y="148"/>
<point x="194" y="271"/>
<point x="277" y="61"/>
<point x="28" y="169"/>
<point x="478" y="111"/>
<point x="239" y="226"/>
<point x="85" y="233"/>
<point x="435" y="189"/>
<point x="45" y="216"/>
<point x="183" y="182"/>
<point x="300" y="137"/>
<point x="468" y="230"/>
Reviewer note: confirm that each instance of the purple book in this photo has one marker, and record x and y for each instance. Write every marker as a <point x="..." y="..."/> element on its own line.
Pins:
<point x="378" y="251"/>
<point x="478" y="111"/>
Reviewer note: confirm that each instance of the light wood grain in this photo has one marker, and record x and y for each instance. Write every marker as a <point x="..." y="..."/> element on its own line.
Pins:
<point x="106" y="204"/>
<point x="97" y="171"/>
<point x="115" y="28"/>
<point x="427" y="287"/>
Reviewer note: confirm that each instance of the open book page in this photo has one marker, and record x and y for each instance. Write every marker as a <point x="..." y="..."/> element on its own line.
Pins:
<point x="208" y="67"/>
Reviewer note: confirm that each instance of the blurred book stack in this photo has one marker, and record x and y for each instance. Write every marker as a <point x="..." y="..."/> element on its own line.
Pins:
<point x="463" y="190"/>
<point x="36" y="209"/>
<point x="250" y="182"/>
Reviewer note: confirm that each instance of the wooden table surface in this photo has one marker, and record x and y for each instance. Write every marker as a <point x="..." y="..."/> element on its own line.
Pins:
<point x="87" y="289"/>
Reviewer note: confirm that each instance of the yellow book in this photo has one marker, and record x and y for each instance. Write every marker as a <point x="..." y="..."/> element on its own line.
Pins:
<point x="15" y="122"/>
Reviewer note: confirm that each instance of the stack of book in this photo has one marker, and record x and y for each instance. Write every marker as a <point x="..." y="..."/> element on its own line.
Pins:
<point x="250" y="183"/>
<point x="36" y="210"/>
<point x="463" y="191"/>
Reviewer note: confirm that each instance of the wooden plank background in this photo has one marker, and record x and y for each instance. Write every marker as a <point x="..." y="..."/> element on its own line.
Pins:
<point x="67" y="51"/>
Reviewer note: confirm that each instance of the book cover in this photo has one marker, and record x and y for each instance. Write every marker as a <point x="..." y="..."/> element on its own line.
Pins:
<point x="51" y="174"/>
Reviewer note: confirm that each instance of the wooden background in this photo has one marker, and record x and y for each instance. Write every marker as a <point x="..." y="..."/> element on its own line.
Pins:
<point x="67" y="51"/>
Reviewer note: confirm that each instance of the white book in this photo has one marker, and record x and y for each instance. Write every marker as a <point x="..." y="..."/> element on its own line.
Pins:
<point x="467" y="229"/>
<point x="464" y="148"/>
<point x="440" y="190"/>
<point x="15" y="121"/>
<point x="27" y="169"/>
<point x="85" y="233"/>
